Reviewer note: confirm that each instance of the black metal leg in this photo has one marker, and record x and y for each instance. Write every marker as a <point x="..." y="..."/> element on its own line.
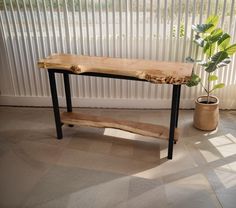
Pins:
<point x="178" y="97"/>
<point x="68" y="94"/>
<point x="53" y="88"/>
<point x="174" y="110"/>
<point x="67" y="91"/>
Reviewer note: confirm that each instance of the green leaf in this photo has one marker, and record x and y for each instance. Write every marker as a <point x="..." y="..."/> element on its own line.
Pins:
<point x="215" y="35"/>
<point x="218" y="86"/>
<point x="211" y="67"/>
<point x="206" y="47"/>
<point x="212" y="78"/>
<point x="213" y="19"/>
<point x="223" y="42"/>
<point x="205" y="64"/>
<point x="209" y="48"/>
<point x="231" y="49"/>
<point x="189" y="59"/>
<point x="219" y="56"/>
<point x="195" y="79"/>
<point x="216" y="59"/>
<point x="201" y="28"/>
<point x="199" y="42"/>
<point x="223" y="63"/>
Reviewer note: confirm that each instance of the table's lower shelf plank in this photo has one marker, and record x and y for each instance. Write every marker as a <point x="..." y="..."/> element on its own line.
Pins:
<point x="144" y="129"/>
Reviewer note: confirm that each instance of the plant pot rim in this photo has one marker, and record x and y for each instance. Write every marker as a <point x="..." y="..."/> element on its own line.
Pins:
<point x="204" y="97"/>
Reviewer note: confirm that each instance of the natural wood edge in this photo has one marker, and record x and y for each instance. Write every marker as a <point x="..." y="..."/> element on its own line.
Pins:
<point x="143" y="75"/>
<point x="145" y="129"/>
<point x="77" y="69"/>
<point x="108" y="66"/>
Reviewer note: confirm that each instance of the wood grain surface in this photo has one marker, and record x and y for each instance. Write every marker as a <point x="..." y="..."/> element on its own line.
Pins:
<point x="145" y="129"/>
<point x="152" y="71"/>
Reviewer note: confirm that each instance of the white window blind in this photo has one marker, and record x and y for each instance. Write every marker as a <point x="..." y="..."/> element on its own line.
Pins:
<point x="145" y="29"/>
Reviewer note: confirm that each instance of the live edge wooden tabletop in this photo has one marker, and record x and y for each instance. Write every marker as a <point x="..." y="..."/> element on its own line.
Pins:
<point x="152" y="71"/>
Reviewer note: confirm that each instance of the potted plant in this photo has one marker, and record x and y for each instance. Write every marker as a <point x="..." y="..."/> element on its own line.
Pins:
<point x="217" y="51"/>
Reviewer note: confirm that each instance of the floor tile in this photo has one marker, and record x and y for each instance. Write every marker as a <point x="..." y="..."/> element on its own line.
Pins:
<point x="193" y="192"/>
<point x="97" y="167"/>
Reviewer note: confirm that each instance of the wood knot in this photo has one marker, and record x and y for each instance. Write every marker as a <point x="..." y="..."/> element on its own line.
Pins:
<point x="75" y="68"/>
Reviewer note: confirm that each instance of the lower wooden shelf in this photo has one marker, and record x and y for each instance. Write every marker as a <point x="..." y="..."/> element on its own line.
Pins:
<point x="144" y="129"/>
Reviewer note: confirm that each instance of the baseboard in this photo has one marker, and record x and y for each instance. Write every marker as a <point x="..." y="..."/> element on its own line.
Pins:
<point x="94" y="102"/>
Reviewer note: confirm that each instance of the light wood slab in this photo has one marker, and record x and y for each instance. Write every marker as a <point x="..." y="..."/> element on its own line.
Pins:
<point x="152" y="71"/>
<point x="144" y="129"/>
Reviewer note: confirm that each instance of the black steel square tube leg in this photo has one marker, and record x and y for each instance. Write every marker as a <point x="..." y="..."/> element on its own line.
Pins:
<point x="178" y="101"/>
<point x="53" y="88"/>
<point x="174" y="110"/>
<point x="67" y="92"/>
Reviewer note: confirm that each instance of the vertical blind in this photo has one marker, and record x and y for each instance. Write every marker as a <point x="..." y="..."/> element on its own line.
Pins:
<point x="143" y="29"/>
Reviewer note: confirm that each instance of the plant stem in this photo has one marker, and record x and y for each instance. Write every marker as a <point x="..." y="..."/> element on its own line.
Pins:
<point x="203" y="87"/>
<point x="208" y="88"/>
<point x="208" y="78"/>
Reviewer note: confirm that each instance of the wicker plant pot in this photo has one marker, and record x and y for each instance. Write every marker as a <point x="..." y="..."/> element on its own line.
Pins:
<point x="206" y="116"/>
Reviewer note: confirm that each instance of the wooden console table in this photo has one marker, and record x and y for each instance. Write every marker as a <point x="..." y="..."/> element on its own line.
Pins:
<point x="172" y="73"/>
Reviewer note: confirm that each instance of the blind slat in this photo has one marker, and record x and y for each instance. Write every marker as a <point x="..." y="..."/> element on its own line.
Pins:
<point x="153" y="29"/>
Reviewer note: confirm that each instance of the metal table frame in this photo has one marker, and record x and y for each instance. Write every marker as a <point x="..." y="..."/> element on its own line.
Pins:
<point x="51" y="72"/>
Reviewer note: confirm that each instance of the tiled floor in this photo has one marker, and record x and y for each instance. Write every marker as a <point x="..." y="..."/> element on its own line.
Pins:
<point x="92" y="168"/>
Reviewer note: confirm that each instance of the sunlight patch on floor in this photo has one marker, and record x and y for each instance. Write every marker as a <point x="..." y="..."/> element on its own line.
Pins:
<point x="119" y="133"/>
<point x="209" y="156"/>
<point x="225" y="176"/>
<point x="225" y="144"/>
